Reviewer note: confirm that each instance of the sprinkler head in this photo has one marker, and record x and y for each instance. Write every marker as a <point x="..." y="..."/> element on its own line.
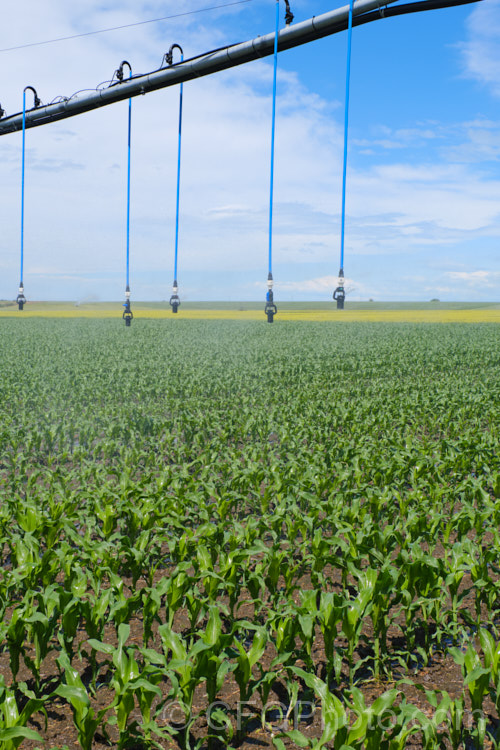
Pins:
<point x="21" y="299"/>
<point x="339" y="293"/>
<point x="174" y="299"/>
<point x="270" y="309"/>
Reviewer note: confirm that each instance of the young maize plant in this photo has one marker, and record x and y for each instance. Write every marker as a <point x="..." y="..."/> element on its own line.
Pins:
<point x="356" y="609"/>
<point x="13" y="729"/>
<point x="85" y="718"/>
<point x="477" y="680"/>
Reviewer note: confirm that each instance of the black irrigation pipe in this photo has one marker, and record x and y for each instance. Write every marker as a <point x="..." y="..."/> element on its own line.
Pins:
<point x="214" y="61"/>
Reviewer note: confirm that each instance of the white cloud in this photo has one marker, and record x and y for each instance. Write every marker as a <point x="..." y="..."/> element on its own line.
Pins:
<point x="323" y="284"/>
<point x="481" y="51"/>
<point x="388" y="138"/>
<point x="476" y="141"/>
<point x="476" y="278"/>
<point x="223" y="212"/>
<point x="436" y="197"/>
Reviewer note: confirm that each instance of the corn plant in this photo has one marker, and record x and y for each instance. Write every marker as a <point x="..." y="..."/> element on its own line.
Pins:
<point x="13" y="729"/>
<point x="330" y="616"/>
<point x="357" y="608"/>
<point x="183" y="671"/>
<point x="476" y="679"/>
<point x="174" y="588"/>
<point x="381" y="725"/>
<point x="307" y="613"/>
<point x="126" y="682"/>
<point x="448" y="712"/>
<point x="385" y="596"/>
<point x="491" y="655"/>
<point x="335" y="721"/>
<point x="457" y="563"/>
<point x="212" y="662"/>
<point x="485" y="588"/>
<point x="85" y="718"/>
<point x="31" y="565"/>
<point x="283" y="628"/>
<point x="40" y="623"/>
<point x="246" y="659"/>
<point x="15" y="637"/>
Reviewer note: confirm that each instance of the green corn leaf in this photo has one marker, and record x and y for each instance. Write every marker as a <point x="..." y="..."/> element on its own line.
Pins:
<point x="384" y="702"/>
<point x="307" y="625"/>
<point x="491" y="649"/>
<point x="297" y="738"/>
<point x="103" y="648"/>
<point x="476" y="674"/>
<point x="204" y="559"/>
<point x="14" y="735"/>
<point x="172" y="642"/>
<point x="76" y="695"/>
<point x="214" y="626"/>
<point x="10" y="710"/>
<point x="258" y="646"/>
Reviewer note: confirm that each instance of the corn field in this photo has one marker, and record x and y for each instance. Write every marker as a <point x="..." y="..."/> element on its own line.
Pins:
<point x="224" y="534"/>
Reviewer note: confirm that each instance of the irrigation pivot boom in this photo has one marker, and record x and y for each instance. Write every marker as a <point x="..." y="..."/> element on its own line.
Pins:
<point x="295" y="35"/>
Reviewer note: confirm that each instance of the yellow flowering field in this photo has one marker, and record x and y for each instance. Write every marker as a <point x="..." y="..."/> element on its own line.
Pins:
<point x="379" y="312"/>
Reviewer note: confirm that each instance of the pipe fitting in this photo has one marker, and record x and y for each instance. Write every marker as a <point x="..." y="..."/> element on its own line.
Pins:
<point x="35" y="95"/>
<point x="169" y="56"/>
<point x="119" y="71"/>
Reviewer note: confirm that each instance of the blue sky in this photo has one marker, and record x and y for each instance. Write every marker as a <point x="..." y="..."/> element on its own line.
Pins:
<point x="423" y="188"/>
